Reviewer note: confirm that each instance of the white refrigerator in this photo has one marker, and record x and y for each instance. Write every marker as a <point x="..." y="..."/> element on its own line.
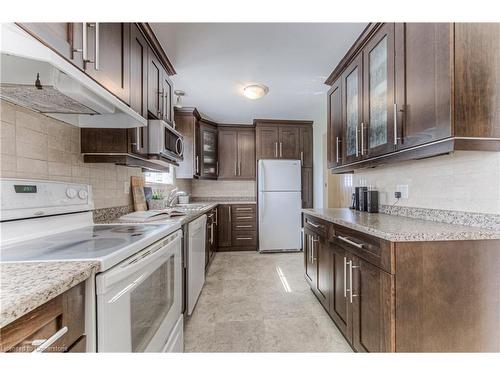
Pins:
<point x="279" y="195"/>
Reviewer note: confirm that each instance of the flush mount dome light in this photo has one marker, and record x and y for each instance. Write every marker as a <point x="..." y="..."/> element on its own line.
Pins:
<point x="255" y="91"/>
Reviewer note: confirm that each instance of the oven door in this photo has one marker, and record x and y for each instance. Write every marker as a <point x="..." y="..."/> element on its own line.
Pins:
<point x="139" y="300"/>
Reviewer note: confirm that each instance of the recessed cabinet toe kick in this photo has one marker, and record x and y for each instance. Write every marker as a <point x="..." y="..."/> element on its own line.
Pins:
<point x="425" y="296"/>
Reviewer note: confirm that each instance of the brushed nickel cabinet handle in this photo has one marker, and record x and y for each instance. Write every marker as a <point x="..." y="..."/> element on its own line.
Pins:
<point x="357" y="142"/>
<point x="244" y="238"/>
<point x="197" y="165"/>
<point x="358" y="245"/>
<point x="314" y="225"/>
<point x="314" y="240"/>
<point x="229" y="213"/>
<point x="97" y="53"/>
<point x="236" y="168"/>
<point x="244" y="209"/>
<point x="245" y="217"/>
<point x="395" y="124"/>
<point x="42" y="345"/>
<point x="301" y="158"/>
<point x="243" y="226"/>
<point x="345" y="277"/>
<point x="337" y="141"/>
<point x="351" y="266"/>
<point x="276" y="149"/>
<point x="362" y="139"/>
<point x="217" y="168"/>
<point x="281" y="149"/>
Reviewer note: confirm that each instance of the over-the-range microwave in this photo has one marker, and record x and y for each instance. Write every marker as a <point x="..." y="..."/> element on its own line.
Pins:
<point x="164" y="140"/>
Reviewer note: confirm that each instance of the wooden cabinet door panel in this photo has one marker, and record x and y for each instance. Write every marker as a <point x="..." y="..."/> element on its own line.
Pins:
<point x="352" y="104"/>
<point x="166" y="97"/>
<point x="267" y="142"/>
<point x="228" y="153"/>
<point x="155" y="73"/>
<point x="224" y="225"/>
<point x="246" y="154"/>
<point x="65" y="38"/>
<point x="289" y="143"/>
<point x="335" y="125"/>
<point x="323" y="255"/>
<point x="114" y="57"/>
<point x="377" y="128"/>
<point x="373" y="307"/>
<point x="340" y="307"/>
<point x="306" y="147"/>
<point x="138" y="88"/>
<point x="423" y="82"/>
<point x="307" y="188"/>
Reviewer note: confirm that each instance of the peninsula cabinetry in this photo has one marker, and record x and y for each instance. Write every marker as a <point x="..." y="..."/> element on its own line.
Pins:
<point x="389" y="296"/>
<point x="237" y="227"/>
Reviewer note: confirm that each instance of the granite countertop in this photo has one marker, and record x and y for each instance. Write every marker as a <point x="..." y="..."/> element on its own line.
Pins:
<point x="26" y="285"/>
<point x="401" y="229"/>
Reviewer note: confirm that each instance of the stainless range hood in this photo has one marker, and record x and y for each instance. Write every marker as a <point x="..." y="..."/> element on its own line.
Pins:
<point x="35" y="77"/>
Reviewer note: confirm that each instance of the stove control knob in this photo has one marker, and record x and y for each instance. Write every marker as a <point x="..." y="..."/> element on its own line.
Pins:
<point x="82" y="194"/>
<point x="70" y="193"/>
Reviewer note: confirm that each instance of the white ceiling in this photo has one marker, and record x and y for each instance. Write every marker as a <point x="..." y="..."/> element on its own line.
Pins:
<point x="214" y="61"/>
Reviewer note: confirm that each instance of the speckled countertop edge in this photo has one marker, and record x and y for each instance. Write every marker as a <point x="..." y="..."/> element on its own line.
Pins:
<point x="26" y="285"/>
<point x="381" y="229"/>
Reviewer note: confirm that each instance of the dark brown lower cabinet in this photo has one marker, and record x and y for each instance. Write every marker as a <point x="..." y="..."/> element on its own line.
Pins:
<point x="66" y="311"/>
<point x="405" y="296"/>
<point x="211" y="236"/>
<point x="237" y="227"/>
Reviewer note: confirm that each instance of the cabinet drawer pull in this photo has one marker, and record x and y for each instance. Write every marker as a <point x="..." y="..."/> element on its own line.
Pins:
<point x="362" y="139"/>
<point x="244" y="238"/>
<point x="245" y="217"/>
<point x="281" y="150"/>
<point x="301" y="158"/>
<point x="276" y="149"/>
<point x="244" y="209"/>
<point x="395" y="124"/>
<point x="314" y="225"/>
<point x="42" y="345"/>
<point x="350" y="281"/>
<point x="358" y="245"/>
<point x="244" y="226"/>
<point x="337" y="142"/>
<point x="345" y="277"/>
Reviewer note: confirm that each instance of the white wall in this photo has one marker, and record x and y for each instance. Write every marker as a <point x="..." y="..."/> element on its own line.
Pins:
<point x="462" y="181"/>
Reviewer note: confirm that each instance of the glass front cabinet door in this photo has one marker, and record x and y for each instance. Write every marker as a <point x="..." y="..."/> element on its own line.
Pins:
<point x="209" y="152"/>
<point x="352" y="81"/>
<point x="377" y="135"/>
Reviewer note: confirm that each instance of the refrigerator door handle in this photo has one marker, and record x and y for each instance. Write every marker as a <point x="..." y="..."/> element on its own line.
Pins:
<point x="261" y="176"/>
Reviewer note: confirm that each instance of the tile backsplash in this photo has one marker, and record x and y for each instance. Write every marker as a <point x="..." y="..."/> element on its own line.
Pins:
<point x="210" y="188"/>
<point x="38" y="147"/>
<point x="462" y="181"/>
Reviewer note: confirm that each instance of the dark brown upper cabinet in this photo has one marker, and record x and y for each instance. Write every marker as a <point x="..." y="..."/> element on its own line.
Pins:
<point x="187" y="121"/>
<point x="139" y="87"/>
<point x="207" y="160"/>
<point x="267" y="145"/>
<point x="289" y="142"/>
<point x="65" y="38"/>
<point x="155" y="74"/>
<point x="284" y="139"/>
<point x="423" y="83"/>
<point x="236" y="153"/>
<point x="109" y="56"/>
<point x="306" y="144"/>
<point x="377" y="135"/>
<point x="352" y="102"/>
<point x="411" y="91"/>
<point x="335" y="125"/>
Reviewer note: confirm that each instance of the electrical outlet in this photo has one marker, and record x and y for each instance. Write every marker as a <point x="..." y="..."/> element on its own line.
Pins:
<point x="403" y="189"/>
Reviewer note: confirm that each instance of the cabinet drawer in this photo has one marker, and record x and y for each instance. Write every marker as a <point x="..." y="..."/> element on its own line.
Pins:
<point x="244" y="239"/>
<point x="318" y="226"/>
<point x="244" y="208"/>
<point x="243" y="216"/>
<point x="244" y="226"/>
<point x="377" y="251"/>
<point x="62" y="316"/>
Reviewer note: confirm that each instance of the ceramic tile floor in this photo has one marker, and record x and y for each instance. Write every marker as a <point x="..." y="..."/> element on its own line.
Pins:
<point x="255" y="302"/>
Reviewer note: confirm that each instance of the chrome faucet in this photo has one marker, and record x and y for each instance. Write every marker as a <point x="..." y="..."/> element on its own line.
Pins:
<point x="173" y="195"/>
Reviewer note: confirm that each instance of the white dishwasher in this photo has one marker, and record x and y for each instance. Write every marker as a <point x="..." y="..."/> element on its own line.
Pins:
<point x="196" y="260"/>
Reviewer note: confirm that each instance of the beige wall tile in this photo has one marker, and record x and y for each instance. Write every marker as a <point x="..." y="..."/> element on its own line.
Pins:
<point x="37" y="147"/>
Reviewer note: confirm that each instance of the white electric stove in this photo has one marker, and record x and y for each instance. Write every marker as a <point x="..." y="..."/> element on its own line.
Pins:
<point x="137" y="292"/>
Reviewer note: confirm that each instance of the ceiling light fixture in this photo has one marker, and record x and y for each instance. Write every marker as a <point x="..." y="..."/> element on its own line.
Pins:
<point x="179" y="94"/>
<point x="255" y="91"/>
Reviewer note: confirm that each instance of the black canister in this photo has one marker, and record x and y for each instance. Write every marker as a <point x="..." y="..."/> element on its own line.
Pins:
<point x="372" y="201"/>
<point x="360" y="198"/>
